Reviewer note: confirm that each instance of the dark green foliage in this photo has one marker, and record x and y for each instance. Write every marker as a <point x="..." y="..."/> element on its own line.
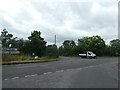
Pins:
<point x="23" y="46"/>
<point x="68" y="47"/>
<point x="95" y="44"/>
<point x="115" y="47"/>
<point x="36" y="43"/>
<point x="61" y="50"/>
<point x="51" y="50"/>
<point x="20" y="45"/>
<point x="6" y="38"/>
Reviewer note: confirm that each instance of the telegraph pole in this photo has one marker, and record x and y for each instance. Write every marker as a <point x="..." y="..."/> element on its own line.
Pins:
<point x="55" y="39"/>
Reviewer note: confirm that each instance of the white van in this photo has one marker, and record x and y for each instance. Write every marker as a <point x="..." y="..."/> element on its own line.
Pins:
<point x="89" y="54"/>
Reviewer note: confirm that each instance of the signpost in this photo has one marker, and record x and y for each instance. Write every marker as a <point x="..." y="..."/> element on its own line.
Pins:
<point x="9" y="48"/>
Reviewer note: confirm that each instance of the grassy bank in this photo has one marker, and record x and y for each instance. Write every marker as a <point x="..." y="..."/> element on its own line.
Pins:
<point x="22" y="59"/>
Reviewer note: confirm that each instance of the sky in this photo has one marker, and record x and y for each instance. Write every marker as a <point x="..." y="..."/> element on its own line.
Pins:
<point x="68" y="20"/>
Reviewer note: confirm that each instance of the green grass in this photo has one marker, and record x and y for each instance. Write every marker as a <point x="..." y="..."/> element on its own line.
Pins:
<point x="8" y="58"/>
<point x="19" y="59"/>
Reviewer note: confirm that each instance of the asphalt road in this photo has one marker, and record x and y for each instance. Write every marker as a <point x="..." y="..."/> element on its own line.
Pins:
<point x="68" y="72"/>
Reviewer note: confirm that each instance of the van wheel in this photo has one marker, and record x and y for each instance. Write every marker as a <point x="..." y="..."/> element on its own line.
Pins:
<point x="94" y="57"/>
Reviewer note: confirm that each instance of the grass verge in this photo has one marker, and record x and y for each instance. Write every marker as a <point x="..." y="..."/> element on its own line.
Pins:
<point x="23" y="59"/>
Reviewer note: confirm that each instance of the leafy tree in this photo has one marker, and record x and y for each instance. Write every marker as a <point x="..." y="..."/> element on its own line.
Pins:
<point x="115" y="47"/>
<point x="36" y="43"/>
<point x="82" y="45"/>
<point x="13" y="42"/>
<point x="6" y="37"/>
<point x="26" y="49"/>
<point x="61" y="50"/>
<point x="21" y="45"/>
<point x="94" y="43"/>
<point x="107" y="50"/>
<point x="51" y="50"/>
<point x="68" y="46"/>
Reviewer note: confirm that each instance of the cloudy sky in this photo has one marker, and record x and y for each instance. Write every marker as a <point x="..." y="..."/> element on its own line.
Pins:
<point x="68" y="20"/>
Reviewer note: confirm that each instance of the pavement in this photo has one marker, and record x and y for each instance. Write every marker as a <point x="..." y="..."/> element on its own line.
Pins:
<point x="67" y="72"/>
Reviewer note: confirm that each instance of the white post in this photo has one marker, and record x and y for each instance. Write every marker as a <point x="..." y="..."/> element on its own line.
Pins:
<point x="9" y="48"/>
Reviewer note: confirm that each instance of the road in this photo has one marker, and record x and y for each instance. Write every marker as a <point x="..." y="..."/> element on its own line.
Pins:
<point x="67" y="72"/>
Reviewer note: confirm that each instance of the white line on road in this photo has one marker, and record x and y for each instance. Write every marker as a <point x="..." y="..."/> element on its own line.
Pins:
<point x="91" y="66"/>
<point x="60" y="71"/>
<point x="80" y="68"/>
<point x="15" y="78"/>
<point x="47" y="72"/>
<point x="34" y="75"/>
<point x="6" y="79"/>
<point x="85" y="67"/>
<point x="28" y="76"/>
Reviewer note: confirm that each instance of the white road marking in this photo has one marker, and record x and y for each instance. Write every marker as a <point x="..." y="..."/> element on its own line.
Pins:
<point x="6" y="79"/>
<point x="60" y="71"/>
<point x="15" y="78"/>
<point x="56" y="71"/>
<point x="80" y="68"/>
<point x="85" y="67"/>
<point x="47" y="72"/>
<point x="34" y="75"/>
<point x="91" y="66"/>
<point x="28" y="76"/>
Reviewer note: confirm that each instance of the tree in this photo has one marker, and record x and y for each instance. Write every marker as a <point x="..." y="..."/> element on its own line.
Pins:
<point x="94" y="43"/>
<point x="82" y="45"/>
<point x="36" y="43"/>
<point x="115" y="47"/>
<point x="68" y="46"/>
<point x="6" y="37"/>
<point x="51" y="50"/>
<point x="61" y="50"/>
<point x="13" y="41"/>
<point x="21" y="45"/>
<point x="107" y="50"/>
<point x="26" y="47"/>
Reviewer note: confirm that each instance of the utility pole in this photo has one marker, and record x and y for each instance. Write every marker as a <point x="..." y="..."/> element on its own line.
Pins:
<point x="55" y="39"/>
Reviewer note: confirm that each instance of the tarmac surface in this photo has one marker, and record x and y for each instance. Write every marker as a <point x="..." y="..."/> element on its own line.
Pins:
<point x="67" y="72"/>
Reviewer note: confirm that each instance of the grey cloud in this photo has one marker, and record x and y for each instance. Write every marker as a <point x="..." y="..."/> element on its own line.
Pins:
<point x="23" y="16"/>
<point x="55" y="14"/>
<point x="16" y="31"/>
<point x="4" y="23"/>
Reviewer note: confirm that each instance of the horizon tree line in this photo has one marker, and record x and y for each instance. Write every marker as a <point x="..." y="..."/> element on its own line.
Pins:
<point x="37" y="45"/>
